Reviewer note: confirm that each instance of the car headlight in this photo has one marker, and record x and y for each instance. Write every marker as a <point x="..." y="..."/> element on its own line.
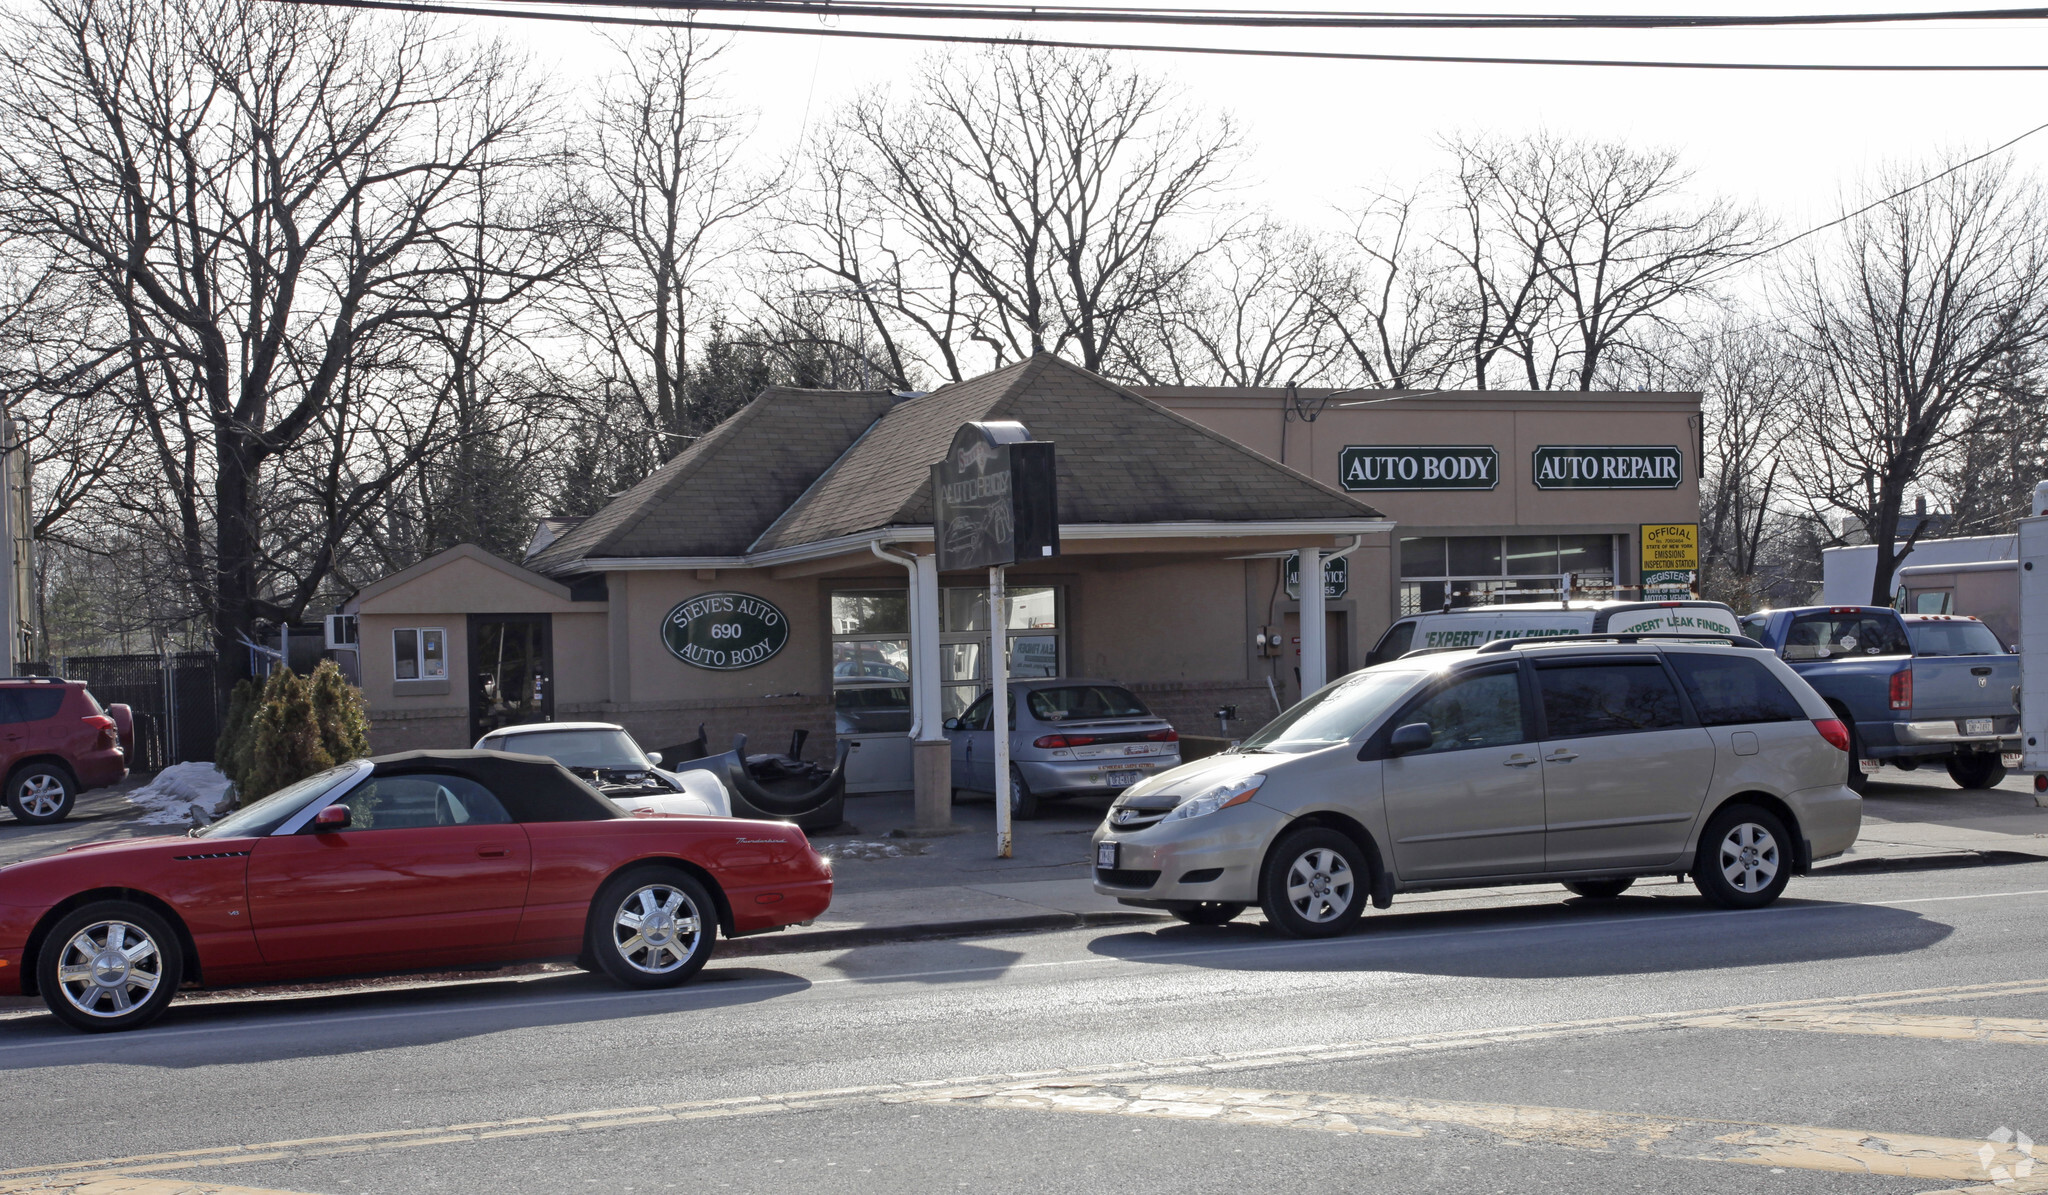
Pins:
<point x="1221" y="796"/>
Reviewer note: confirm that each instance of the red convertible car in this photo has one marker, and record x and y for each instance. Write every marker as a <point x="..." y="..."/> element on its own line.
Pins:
<point x="403" y="863"/>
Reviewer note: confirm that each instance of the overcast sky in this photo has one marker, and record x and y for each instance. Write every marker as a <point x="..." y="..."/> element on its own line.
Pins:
<point x="1320" y="131"/>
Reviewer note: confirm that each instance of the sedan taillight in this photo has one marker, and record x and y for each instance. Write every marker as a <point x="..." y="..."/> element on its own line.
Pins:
<point x="1902" y="688"/>
<point x="1833" y="731"/>
<point x="1169" y="735"/>
<point x="1051" y="741"/>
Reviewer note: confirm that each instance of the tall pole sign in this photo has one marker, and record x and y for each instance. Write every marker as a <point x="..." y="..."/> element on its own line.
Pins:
<point x="995" y="501"/>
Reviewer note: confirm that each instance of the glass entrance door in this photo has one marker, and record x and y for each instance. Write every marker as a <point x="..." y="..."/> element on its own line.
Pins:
<point x="511" y="671"/>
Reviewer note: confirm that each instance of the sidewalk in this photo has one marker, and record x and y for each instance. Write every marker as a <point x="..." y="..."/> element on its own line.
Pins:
<point x="890" y="888"/>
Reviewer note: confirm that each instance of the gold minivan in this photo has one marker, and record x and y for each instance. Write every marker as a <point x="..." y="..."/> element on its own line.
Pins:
<point x="1587" y="762"/>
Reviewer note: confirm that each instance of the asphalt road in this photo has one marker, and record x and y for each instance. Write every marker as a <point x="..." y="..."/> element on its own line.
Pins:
<point x="1867" y="1034"/>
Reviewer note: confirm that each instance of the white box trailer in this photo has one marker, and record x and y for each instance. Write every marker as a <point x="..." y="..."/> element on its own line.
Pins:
<point x="2033" y="554"/>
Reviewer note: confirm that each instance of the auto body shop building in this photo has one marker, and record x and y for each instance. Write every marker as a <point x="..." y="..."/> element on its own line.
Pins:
<point x="780" y="573"/>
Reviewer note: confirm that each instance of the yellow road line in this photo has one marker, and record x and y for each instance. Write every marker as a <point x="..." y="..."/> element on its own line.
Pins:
<point x="148" y="1186"/>
<point x="1998" y="1030"/>
<point x="594" y="1120"/>
<point x="1799" y="1147"/>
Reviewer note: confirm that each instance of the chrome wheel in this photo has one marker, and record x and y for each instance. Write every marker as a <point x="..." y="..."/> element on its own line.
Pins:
<point x="40" y="794"/>
<point x="108" y="968"/>
<point x="1749" y="857"/>
<point x="657" y="928"/>
<point x="1320" y="885"/>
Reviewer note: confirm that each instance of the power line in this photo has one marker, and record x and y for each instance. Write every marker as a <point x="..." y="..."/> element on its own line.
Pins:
<point x="429" y="7"/>
<point x="995" y="10"/>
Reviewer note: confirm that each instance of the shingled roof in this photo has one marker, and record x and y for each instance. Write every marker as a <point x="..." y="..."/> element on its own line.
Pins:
<point x="718" y="495"/>
<point x="1121" y="459"/>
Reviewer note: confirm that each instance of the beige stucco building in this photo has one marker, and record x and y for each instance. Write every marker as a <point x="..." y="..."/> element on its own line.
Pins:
<point x="810" y="513"/>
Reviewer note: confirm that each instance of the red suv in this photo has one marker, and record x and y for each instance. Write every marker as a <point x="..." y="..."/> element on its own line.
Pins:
<point x="55" y="742"/>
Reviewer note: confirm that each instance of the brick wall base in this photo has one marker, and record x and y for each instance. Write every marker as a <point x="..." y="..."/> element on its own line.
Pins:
<point x="1192" y="707"/>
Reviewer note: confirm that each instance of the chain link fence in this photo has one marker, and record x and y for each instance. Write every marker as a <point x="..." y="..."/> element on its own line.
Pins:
<point x="177" y="716"/>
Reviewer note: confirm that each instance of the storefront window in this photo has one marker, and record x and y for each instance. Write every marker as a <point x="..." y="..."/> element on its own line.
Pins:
<point x="871" y="650"/>
<point x="871" y="661"/>
<point x="1482" y="570"/>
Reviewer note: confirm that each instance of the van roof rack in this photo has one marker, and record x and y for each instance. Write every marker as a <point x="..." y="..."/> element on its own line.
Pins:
<point x="1499" y="645"/>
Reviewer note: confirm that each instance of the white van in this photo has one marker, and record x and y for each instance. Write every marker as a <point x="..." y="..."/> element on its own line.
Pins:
<point x="1447" y="629"/>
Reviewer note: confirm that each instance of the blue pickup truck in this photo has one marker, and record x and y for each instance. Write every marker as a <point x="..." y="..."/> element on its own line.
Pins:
<point x="1911" y="695"/>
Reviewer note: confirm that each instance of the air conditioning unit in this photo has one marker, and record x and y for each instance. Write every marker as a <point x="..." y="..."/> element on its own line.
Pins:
<point x="341" y="631"/>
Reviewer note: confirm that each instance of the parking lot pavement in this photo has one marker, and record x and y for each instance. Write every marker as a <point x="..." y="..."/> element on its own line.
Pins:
<point x="100" y="813"/>
<point x="1922" y="812"/>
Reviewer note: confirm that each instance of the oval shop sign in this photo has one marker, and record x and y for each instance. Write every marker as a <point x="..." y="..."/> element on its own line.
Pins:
<point x="724" y="631"/>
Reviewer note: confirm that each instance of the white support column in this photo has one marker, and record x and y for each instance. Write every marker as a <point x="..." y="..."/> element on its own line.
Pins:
<point x="1313" y="651"/>
<point x="931" y="753"/>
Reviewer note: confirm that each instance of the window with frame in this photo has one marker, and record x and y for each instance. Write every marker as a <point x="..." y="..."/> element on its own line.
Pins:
<point x="1477" y="711"/>
<point x="1484" y="570"/>
<point x="871" y="650"/>
<point x="1622" y="697"/>
<point x="420" y="801"/>
<point x="419" y="653"/>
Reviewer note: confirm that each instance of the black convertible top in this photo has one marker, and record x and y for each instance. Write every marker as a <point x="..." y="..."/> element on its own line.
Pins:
<point x="532" y="788"/>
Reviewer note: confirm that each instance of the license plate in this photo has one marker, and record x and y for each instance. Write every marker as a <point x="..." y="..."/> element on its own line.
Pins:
<point x="2012" y="759"/>
<point x="1123" y="779"/>
<point x="1105" y="855"/>
<point x="1869" y="766"/>
<point x="1976" y="726"/>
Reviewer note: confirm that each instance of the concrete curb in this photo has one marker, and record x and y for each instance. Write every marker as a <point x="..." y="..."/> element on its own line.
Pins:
<point x="1929" y="862"/>
<point x="877" y="935"/>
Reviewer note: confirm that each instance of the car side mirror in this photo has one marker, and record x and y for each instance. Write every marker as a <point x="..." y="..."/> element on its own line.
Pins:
<point x="952" y="724"/>
<point x="1416" y="736"/>
<point x="330" y="819"/>
<point x="654" y="757"/>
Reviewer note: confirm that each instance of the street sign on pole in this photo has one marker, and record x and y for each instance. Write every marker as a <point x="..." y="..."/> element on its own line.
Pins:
<point x="995" y="502"/>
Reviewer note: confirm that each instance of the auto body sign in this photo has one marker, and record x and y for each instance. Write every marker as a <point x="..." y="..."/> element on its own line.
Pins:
<point x="724" y="631"/>
<point x="1365" y="467"/>
<point x="1621" y="467"/>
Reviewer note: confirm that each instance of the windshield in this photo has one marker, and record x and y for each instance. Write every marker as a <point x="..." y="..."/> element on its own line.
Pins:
<point x="1953" y="639"/>
<point x="1336" y="712"/>
<point x="272" y="811"/>
<point x="1085" y="701"/>
<point x="611" y="749"/>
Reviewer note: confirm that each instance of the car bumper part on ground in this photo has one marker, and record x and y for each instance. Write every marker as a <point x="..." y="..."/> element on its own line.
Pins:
<point x="1090" y="775"/>
<point x="1213" y="858"/>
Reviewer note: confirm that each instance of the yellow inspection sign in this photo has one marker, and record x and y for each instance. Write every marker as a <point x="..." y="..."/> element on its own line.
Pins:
<point x="1670" y="547"/>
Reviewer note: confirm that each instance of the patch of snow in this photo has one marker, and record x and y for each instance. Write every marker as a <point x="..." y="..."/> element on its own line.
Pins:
<point x="173" y="793"/>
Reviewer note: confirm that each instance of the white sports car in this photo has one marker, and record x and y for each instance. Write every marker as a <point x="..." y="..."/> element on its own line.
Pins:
<point x="608" y="757"/>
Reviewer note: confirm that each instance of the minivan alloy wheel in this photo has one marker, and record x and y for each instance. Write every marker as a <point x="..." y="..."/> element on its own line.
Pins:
<point x="1320" y="885"/>
<point x="657" y="928"/>
<point x="41" y="794"/>
<point x="1749" y="857"/>
<point x="109" y="967"/>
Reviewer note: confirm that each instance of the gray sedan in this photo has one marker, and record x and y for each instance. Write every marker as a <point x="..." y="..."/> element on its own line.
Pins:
<point x="1068" y="738"/>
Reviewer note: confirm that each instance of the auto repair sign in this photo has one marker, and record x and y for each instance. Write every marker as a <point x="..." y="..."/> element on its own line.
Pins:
<point x="724" y="631"/>
<point x="1608" y="468"/>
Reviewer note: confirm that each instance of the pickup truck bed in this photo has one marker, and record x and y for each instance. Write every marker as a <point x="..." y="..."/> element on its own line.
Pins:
<point x="1904" y="709"/>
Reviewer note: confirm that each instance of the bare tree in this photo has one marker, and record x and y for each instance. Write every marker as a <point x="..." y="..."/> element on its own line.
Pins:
<point x="1022" y="199"/>
<point x="1250" y="318"/>
<point x="267" y="196"/>
<point x="1568" y="250"/>
<point x="1383" y="297"/>
<point x="1910" y="321"/>
<point x="667" y="190"/>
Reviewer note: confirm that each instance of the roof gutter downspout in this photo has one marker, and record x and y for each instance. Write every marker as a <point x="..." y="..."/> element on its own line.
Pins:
<point x="910" y="564"/>
<point x="1357" y="541"/>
